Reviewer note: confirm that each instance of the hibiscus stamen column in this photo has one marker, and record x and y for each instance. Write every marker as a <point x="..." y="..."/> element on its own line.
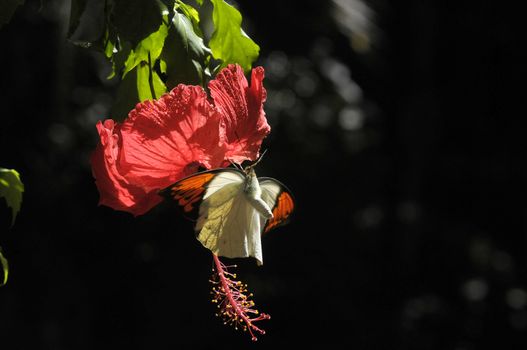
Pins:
<point x="235" y="306"/>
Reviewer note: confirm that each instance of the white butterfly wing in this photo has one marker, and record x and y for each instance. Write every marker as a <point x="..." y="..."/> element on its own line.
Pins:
<point x="222" y="179"/>
<point x="228" y="224"/>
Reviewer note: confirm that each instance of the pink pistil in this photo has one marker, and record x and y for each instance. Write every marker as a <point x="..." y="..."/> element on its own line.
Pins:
<point x="235" y="306"/>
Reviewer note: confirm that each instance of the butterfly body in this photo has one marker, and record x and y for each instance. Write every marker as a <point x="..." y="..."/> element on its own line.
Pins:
<point x="234" y="209"/>
<point x="253" y="192"/>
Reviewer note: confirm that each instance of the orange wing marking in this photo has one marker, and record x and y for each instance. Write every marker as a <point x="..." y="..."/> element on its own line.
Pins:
<point x="283" y="208"/>
<point x="190" y="190"/>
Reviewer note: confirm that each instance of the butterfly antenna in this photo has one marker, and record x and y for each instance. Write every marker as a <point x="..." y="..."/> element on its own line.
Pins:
<point x="257" y="160"/>
<point x="236" y="165"/>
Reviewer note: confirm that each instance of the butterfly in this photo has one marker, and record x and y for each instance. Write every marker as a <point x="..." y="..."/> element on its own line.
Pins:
<point x="234" y="208"/>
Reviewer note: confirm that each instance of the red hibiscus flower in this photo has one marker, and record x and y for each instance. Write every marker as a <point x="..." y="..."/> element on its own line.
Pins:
<point x="164" y="140"/>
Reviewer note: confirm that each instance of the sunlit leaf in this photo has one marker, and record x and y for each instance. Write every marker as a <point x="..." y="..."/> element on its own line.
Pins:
<point x="149" y="84"/>
<point x="151" y="45"/>
<point x="185" y="54"/>
<point x="192" y="14"/>
<point x="162" y="66"/>
<point x="109" y="44"/>
<point x="11" y="188"/>
<point x="140" y="81"/>
<point x="229" y="43"/>
<point x="5" y="268"/>
<point x="199" y="2"/>
<point x="7" y="9"/>
<point x="134" y="20"/>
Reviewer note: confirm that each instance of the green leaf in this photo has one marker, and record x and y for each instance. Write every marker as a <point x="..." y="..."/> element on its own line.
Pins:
<point x="229" y="43"/>
<point x="151" y="45"/>
<point x="77" y="8"/>
<point x="163" y="66"/>
<point x="134" y="20"/>
<point x="185" y="54"/>
<point x="5" y="268"/>
<point x="109" y="47"/>
<point x="11" y="188"/>
<point x="149" y="84"/>
<point x="192" y="14"/>
<point x="140" y="81"/>
<point x="7" y="9"/>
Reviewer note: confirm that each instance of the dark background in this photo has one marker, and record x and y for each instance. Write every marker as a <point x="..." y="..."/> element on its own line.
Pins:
<point x="398" y="127"/>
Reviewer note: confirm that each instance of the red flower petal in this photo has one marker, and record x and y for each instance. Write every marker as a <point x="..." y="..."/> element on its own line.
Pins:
<point x="242" y="111"/>
<point x="167" y="139"/>
<point x="114" y="189"/>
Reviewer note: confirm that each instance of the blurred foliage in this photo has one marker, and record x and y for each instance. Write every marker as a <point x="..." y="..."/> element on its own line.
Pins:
<point x="7" y="9"/>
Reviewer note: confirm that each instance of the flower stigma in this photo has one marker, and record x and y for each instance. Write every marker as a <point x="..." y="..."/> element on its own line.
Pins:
<point x="235" y="306"/>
